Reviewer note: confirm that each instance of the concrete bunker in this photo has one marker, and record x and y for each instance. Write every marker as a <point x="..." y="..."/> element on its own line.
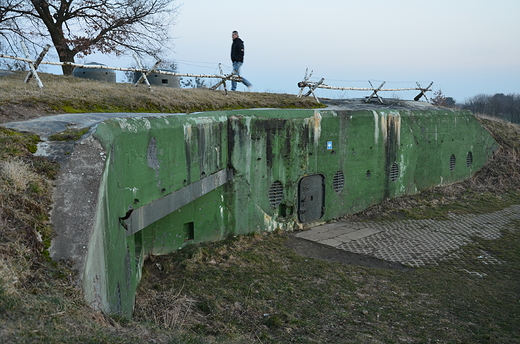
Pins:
<point x="159" y="79"/>
<point x="99" y="74"/>
<point x="166" y="181"/>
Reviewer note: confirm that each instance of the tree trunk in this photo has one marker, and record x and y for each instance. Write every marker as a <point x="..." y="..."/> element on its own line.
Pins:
<point x="66" y="55"/>
<point x="55" y="28"/>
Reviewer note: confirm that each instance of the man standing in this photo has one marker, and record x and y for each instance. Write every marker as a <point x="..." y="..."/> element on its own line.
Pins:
<point x="237" y="57"/>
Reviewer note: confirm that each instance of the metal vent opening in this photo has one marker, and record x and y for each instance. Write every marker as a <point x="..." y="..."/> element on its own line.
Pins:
<point x="469" y="159"/>
<point x="394" y="172"/>
<point x="276" y="194"/>
<point x="453" y="161"/>
<point x="338" y="182"/>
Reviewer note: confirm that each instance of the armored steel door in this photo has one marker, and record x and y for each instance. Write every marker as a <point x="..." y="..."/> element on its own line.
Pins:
<point x="311" y="198"/>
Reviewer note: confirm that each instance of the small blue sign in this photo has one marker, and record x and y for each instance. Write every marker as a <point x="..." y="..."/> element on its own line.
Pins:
<point x="329" y="145"/>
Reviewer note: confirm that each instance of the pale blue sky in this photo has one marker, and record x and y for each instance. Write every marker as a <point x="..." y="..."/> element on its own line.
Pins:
<point x="466" y="47"/>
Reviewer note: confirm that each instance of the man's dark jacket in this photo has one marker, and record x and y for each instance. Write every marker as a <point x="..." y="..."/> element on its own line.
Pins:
<point x="237" y="50"/>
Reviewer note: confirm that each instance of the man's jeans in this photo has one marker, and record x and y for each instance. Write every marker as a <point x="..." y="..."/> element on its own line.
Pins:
<point x="236" y="67"/>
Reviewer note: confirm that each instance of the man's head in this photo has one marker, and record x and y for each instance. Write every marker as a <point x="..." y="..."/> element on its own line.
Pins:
<point x="234" y="34"/>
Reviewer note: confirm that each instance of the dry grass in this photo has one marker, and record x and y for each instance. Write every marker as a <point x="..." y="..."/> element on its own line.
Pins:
<point x="255" y="290"/>
<point x="15" y="263"/>
<point x="502" y="172"/>
<point x="17" y="174"/>
<point x="168" y="309"/>
<point x="70" y="94"/>
<point x="24" y="204"/>
<point x="16" y="214"/>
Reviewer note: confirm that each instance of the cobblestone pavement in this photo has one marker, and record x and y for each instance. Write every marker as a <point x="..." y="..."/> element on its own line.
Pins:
<point x="417" y="242"/>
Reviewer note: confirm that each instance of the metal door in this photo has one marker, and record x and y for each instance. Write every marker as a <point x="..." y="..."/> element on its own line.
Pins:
<point x="311" y="198"/>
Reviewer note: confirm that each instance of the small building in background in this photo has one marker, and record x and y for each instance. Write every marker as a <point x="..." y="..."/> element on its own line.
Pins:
<point x="158" y="79"/>
<point x="99" y="74"/>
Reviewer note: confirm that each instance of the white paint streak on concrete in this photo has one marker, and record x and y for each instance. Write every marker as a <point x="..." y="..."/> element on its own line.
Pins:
<point x="221" y="208"/>
<point x="248" y="125"/>
<point x="384" y="127"/>
<point x="146" y="122"/>
<point x="315" y="123"/>
<point x="124" y="125"/>
<point x="187" y="132"/>
<point x="134" y="191"/>
<point x="376" y="127"/>
<point x="248" y="149"/>
<point x="398" y="127"/>
<point x="271" y="224"/>
<point x="203" y="120"/>
<point x="391" y="118"/>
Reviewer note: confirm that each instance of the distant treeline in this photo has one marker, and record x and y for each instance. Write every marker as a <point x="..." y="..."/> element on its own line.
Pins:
<point x="506" y="107"/>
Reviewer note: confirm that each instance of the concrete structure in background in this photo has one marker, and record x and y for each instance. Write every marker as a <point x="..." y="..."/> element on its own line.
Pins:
<point x="98" y="74"/>
<point x="158" y="79"/>
<point x="145" y="185"/>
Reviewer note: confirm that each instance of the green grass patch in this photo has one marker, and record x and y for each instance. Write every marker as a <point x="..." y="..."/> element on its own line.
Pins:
<point x="70" y="134"/>
<point x="15" y="144"/>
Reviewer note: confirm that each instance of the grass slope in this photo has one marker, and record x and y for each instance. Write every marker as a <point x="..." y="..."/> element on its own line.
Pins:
<point x="67" y="94"/>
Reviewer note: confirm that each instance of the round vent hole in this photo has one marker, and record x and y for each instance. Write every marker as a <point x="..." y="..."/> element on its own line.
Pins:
<point x="453" y="161"/>
<point x="394" y="172"/>
<point x="338" y="182"/>
<point x="469" y="159"/>
<point x="276" y="194"/>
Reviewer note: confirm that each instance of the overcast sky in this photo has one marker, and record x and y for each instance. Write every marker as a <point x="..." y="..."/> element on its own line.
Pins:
<point x="466" y="47"/>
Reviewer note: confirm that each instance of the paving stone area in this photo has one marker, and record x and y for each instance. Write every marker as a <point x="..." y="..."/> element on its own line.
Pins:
<point x="417" y="242"/>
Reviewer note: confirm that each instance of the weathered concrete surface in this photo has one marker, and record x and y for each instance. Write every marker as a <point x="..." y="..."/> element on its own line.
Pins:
<point x="76" y="202"/>
<point x="48" y="125"/>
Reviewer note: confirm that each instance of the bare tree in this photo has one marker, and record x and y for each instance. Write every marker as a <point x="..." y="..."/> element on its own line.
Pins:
<point x="438" y="98"/>
<point x="8" y="25"/>
<point x="82" y="27"/>
<point x="506" y="107"/>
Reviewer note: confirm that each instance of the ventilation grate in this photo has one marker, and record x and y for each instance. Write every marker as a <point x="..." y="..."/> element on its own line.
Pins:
<point x="394" y="172"/>
<point x="276" y="194"/>
<point x="338" y="182"/>
<point x="469" y="159"/>
<point x="453" y="161"/>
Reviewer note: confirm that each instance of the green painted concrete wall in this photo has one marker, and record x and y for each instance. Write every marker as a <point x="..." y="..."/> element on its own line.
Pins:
<point x="150" y="158"/>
